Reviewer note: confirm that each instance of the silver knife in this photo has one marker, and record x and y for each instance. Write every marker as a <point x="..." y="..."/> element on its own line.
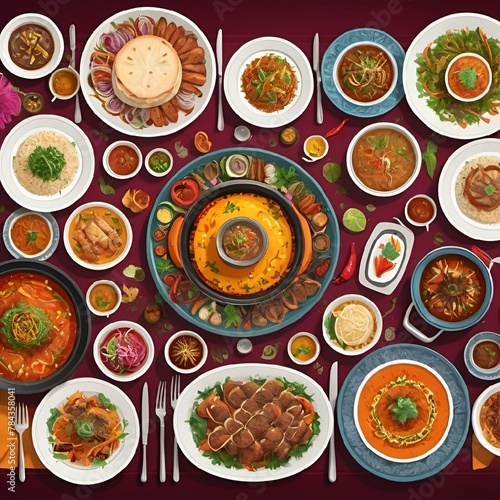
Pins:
<point x="317" y="70"/>
<point x="144" y="429"/>
<point x="333" y="391"/>
<point x="220" y="62"/>
<point x="72" y="46"/>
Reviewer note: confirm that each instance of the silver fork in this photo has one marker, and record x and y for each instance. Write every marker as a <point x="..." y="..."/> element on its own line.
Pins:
<point x="21" y="424"/>
<point x="175" y="390"/>
<point x="161" y="410"/>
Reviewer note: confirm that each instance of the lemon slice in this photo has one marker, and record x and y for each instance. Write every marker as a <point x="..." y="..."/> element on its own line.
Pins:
<point x="354" y="325"/>
<point x="354" y="220"/>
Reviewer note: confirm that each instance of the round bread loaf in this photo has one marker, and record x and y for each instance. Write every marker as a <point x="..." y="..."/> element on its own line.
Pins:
<point x="147" y="72"/>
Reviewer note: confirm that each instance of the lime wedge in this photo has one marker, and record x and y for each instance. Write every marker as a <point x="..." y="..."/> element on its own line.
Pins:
<point x="354" y="220"/>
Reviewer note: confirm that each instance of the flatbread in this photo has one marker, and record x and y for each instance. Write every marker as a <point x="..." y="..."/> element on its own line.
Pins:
<point x="147" y="72"/>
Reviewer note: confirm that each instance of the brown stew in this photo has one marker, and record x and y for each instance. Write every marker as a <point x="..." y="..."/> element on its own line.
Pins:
<point x="452" y="288"/>
<point x="31" y="46"/>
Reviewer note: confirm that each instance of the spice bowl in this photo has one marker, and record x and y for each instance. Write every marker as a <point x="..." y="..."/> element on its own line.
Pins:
<point x="186" y="351"/>
<point x="122" y="159"/>
<point x="103" y="297"/>
<point x="303" y="348"/>
<point x="159" y="162"/>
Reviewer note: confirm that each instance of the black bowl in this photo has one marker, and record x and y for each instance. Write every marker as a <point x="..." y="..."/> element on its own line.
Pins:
<point x="247" y="187"/>
<point x="83" y="324"/>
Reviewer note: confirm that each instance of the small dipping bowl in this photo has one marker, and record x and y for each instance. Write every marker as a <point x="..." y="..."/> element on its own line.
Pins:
<point x="244" y="346"/>
<point x="103" y="297"/>
<point x="482" y="79"/>
<point x="420" y="210"/>
<point x="316" y="147"/>
<point x="122" y="159"/>
<point x="303" y="348"/>
<point x="242" y="133"/>
<point x="18" y="222"/>
<point x="182" y="348"/>
<point x="64" y="83"/>
<point x="159" y="162"/>
<point x="32" y="102"/>
<point x="229" y="232"/>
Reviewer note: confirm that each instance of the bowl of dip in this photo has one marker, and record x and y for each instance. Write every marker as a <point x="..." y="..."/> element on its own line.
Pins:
<point x="420" y="210"/>
<point x="316" y="147"/>
<point x="303" y="348"/>
<point x="159" y="162"/>
<point x="103" y="297"/>
<point x="468" y="77"/>
<point x="64" y="83"/>
<point x="122" y="159"/>
<point x="186" y="351"/>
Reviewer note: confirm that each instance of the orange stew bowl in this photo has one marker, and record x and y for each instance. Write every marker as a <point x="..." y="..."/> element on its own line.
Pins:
<point x="37" y="294"/>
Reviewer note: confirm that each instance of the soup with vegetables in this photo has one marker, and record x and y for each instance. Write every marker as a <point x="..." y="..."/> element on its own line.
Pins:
<point x="38" y="327"/>
<point x="452" y="288"/>
<point x="31" y="234"/>
<point x="365" y="73"/>
<point x="383" y="159"/>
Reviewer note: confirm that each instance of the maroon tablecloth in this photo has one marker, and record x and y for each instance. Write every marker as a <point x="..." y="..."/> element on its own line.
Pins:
<point x="242" y="21"/>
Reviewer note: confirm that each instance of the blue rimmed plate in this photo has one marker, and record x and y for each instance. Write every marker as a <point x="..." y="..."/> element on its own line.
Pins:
<point x="492" y="374"/>
<point x="51" y="248"/>
<point x="439" y="459"/>
<point x="333" y="51"/>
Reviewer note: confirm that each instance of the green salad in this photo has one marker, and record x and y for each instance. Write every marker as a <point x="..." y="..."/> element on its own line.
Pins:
<point x="431" y="69"/>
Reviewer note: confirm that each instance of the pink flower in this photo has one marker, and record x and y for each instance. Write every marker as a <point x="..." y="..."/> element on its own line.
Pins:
<point x="10" y="102"/>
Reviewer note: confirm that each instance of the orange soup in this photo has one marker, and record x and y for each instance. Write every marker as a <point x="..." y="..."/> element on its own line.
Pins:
<point x="392" y="433"/>
<point x="98" y="235"/>
<point x="103" y="297"/>
<point x="38" y="327"/>
<point x="123" y="160"/>
<point x="30" y="234"/>
<point x="468" y="77"/>
<point x="383" y="159"/>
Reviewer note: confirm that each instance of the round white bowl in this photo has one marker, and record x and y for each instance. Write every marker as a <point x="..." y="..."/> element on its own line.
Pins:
<point x="324" y="143"/>
<point x="391" y="126"/>
<point x="105" y="159"/>
<point x="97" y="312"/>
<point x="148" y="157"/>
<point x="49" y="25"/>
<point x="447" y="73"/>
<point x="476" y="410"/>
<point x="124" y="377"/>
<point x="11" y="242"/>
<point x="316" y="343"/>
<point x="174" y="337"/>
<point x="53" y="90"/>
<point x="339" y="87"/>
<point x="414" y="222"/>
<point x="68" y="241"/>
<point x="336" y="303"/>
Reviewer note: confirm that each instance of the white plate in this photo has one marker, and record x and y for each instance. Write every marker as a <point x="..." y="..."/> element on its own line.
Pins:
<point x="50" y="248"/>
<point x="381" y="235"/>
<point x="476" y="425"/>
<point x="258" y="48"/>
<point x="48" y="24"/>
<point x="72" y="472"/>
<point x="68" y="195"/>
<point x="243" y="372"/>
<point x="115" y="121"/>
<point x="97" y="266"/>
<point x="450" y="409"/>
<point x="446" y="189"/>
<point x="453" y="22"/>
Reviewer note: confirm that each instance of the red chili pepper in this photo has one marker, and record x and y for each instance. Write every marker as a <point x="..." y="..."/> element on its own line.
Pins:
<point x="335" y="130"/>
<point x="482" y="255"/>
<point x="349" y="268"/>
<point x="183" y="291"/>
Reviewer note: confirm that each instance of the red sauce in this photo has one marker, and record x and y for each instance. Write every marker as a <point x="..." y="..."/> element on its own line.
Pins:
<point x="481" y="72"/>
<point x="486" y="354"/>
<point x="123" y="160"/>
<point x="27" y="364"/>
<point x="420" y="210"/>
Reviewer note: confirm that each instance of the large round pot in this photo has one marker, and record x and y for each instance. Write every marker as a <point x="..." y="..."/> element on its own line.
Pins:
<point x="61" y="287"/>
<point x="449" y="287"/>
<point x="197" y="216"/>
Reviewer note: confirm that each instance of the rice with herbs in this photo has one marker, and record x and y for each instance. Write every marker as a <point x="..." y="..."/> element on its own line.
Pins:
<point x="34" y="184"/>
<point x="465" y="206"/>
